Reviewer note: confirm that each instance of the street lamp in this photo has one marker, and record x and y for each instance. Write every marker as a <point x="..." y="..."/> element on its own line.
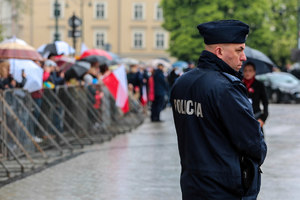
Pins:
<point x="82" y="6"/>
<point x="56" y="15"/>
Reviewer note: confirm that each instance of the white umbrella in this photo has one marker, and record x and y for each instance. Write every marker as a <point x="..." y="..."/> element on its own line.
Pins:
<point x="34" y="73"/>
<point x="154" y="62"/>
<point x="57" y="48"/>
<point x="14" y="40"/>
<point x="130" y="61"/>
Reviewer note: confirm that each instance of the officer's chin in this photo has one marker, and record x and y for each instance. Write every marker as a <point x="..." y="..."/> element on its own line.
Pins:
<point x="238" y="68"/>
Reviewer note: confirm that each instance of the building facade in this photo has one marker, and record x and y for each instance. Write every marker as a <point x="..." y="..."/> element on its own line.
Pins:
<point x="6" y="18"/>
<point x="130" y="28"/>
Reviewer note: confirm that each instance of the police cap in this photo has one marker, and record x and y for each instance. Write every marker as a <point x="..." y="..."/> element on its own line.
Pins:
<point x="224" y="31"/>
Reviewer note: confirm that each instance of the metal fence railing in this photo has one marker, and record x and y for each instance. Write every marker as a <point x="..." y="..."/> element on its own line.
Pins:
<point x="35" y="132"/>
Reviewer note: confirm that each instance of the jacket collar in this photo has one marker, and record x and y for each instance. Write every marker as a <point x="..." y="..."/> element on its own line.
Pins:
<point x="210" y="60"/>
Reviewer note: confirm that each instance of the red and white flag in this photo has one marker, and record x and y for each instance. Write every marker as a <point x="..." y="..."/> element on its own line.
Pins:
<point x="144" y="98"/>
<point x="116" y="82"/>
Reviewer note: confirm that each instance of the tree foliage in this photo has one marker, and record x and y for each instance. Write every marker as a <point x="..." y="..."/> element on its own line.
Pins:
<point x="272" y="24"/>
<point x="284" y="30"/>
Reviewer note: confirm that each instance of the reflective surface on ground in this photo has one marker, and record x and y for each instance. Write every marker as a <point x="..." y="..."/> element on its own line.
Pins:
<point x="144" y="164"/>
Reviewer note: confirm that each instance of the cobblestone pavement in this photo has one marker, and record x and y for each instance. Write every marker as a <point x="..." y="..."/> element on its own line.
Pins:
<point x="144" y="164"/>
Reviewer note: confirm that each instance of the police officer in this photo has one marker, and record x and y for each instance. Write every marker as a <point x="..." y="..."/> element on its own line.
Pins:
<point x="220" y="142"/>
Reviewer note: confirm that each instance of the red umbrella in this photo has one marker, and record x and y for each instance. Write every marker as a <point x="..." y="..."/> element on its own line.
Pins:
<point x="64" y="62"/>
<point x="16" y="48"/>
<point x="97" y="52"/>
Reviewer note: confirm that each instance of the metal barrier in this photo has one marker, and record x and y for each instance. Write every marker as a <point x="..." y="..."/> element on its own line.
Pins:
<point x="36" y="132"/>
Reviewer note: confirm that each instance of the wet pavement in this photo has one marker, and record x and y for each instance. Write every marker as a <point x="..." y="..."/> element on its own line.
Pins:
<point x="281" y="170"/>
<point x="144" y="164"/>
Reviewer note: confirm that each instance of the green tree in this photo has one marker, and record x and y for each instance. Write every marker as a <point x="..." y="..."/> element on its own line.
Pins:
<point x="182" y="17"/>
<point x="284" y="29"/>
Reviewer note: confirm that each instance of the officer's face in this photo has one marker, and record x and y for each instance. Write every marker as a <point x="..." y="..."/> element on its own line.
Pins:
<point x="233" y="55"/>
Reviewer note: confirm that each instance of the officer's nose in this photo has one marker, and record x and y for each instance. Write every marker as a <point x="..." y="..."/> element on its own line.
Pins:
<point x="243" y="56"/>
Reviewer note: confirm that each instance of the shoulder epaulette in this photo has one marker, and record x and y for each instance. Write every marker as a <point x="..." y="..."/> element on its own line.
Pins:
<point x="230" y="77"/>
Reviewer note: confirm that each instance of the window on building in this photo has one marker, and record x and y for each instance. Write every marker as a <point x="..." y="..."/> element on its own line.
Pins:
<point x="138" y="40"/>
<point x="159" y="12"/>
<point x="100" y="39"/>
<point x="138" y="11"/>
<point x="160" y="42"/>
<point x="100" y="10"/>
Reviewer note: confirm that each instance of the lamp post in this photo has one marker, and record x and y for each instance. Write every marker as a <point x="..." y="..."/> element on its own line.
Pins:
<point x="56" y="15"/>
<point x="81" y="12"/>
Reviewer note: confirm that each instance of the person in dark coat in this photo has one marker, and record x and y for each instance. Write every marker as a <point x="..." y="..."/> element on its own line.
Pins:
<point x="135" y="79"/>
<point x="173" y="75"/>
<point x="220" y="143"/>
<point x="256" y="92"/>
<point x="160" y="90"/>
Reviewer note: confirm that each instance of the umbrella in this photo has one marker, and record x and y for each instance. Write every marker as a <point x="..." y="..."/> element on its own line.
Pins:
<point x="64" y="63"/>
<point x="33" y="72"/>
<point x="262" y="62"/>
<point x="77" y="70"/>
<point x="180" y="64"/>
<point x="19" y="49"/>
<point x="116" y="59"/>
<point x="114" y="56"/>
<point x="165" y="59"/>
<point x="129" y="61"/>
<point x="97" y="52"/>
<point x="94" y="58"/>
<point x="258" y="55"/>
<point x="153" y="63"/>
<point x="56" y="48"/>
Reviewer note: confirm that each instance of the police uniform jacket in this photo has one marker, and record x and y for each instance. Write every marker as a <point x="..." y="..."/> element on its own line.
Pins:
<point x="215" y="127"/>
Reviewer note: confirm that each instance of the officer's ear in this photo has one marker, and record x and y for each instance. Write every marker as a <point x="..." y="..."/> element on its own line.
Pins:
<point x="219" y="52"/>
<point x="215" y="49"/>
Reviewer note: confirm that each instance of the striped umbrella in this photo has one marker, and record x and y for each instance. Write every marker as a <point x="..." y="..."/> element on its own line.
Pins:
<point x="18" y="49"/>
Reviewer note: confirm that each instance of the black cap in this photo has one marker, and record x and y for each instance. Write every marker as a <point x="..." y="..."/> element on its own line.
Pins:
<point x="224" y="31"/>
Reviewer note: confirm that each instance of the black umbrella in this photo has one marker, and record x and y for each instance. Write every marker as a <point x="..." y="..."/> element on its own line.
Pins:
<point x="56" y="48"/>
<point x="261" y="67"/>
<point x="262" y="62"/>
<point x="77" y="70"/>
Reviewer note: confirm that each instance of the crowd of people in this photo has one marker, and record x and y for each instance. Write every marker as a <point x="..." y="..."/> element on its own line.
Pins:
<point x="6" y="79"/>
<point x="149" y="85"/>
